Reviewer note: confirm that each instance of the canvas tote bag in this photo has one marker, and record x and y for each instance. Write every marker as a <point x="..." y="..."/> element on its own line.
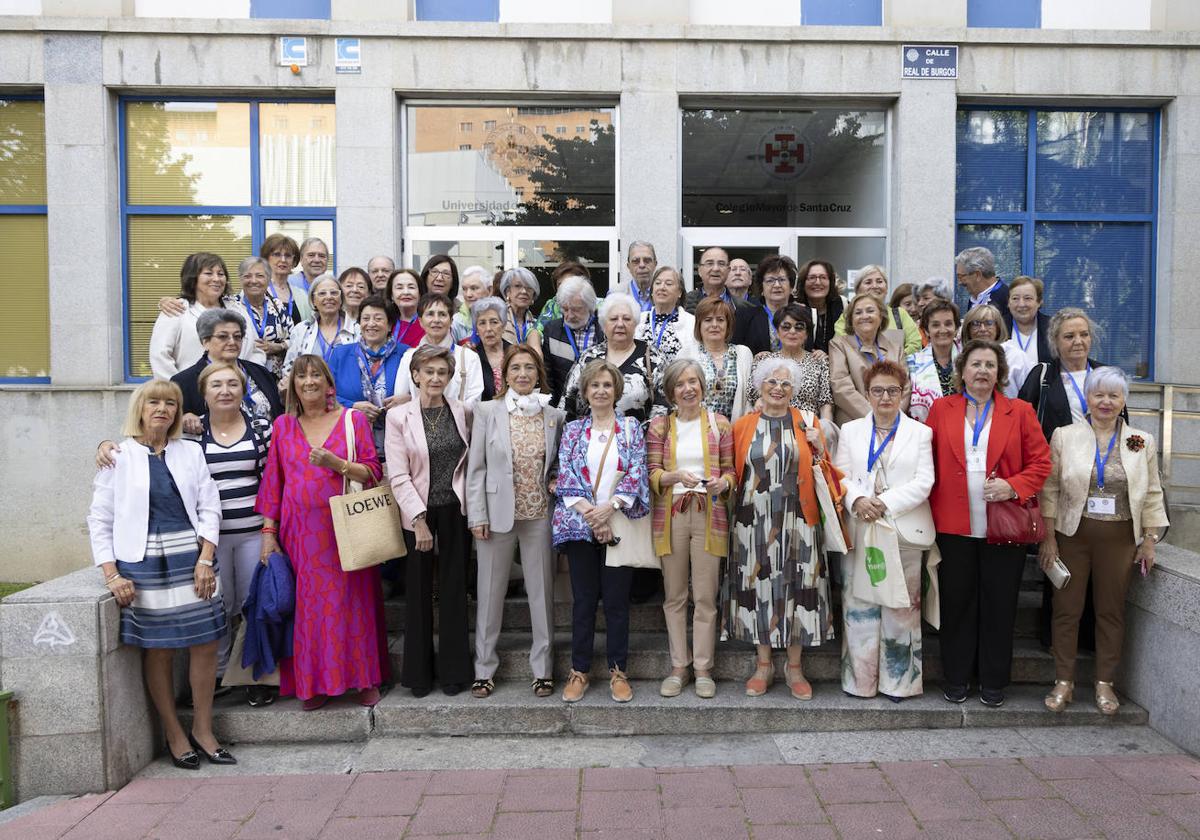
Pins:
<point x="366" y="523"/>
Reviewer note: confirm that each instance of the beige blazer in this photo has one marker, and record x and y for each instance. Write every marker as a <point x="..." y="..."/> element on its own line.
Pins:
<point x="846" y="366"/>
<point x="1072" y="458"/>
<point x="490" y="465"/>
<point x="408" y="457"/>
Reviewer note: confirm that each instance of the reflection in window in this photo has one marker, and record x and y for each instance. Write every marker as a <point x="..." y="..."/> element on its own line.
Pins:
<point x="1097" y="162"/>
<point x="298" y="166"/>
<point x="991" y="158"/>
<point x="815" y="168"/>
<point x="167" y="163"/>
<point x="847" y="253"/>
<point x="517" y="175"/>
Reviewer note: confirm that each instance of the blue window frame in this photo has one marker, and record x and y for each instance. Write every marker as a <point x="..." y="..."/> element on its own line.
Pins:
<point x="487" y="11"/>
<point x="1069" y="196"/>
<point x="234" y="229"/>
<point x="841" y="12"/>
<point x="290" y="9"/>
<point x="1008" y="14"/>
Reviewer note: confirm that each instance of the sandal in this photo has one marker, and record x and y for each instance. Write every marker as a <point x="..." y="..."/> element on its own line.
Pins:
<point x="542" y="688"/>
<point x="315" y="702"/>
<point x="757" y="685"/>
<point x="1060" y="696"/>
<point x="482" y="688"/>
<point x="801" y="689"/>
<point x="1106" y="698"/>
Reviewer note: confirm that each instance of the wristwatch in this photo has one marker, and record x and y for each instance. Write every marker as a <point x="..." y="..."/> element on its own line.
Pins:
<point x="616" y="504"/>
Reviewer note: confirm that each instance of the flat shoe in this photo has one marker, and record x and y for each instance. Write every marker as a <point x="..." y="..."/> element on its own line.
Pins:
<point x="706" y="688"/>
<point x="672" y="686"/>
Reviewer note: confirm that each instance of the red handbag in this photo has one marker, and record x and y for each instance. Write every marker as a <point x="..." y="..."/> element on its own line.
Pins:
<point x="1013" y="522"/>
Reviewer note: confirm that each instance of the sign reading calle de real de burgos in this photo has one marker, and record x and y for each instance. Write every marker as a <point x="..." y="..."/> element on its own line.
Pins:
<point x="928" y="61"/>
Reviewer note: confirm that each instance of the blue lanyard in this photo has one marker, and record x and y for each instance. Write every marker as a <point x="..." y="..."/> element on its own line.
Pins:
<point x="374" y="377"/>
<point x="877" y="355"/>
<point x="658" y="336"/>
<point x="576" y="349"/>
<point x="980" y="418"/>
<point x="520" y="333"/>
<point x="1024" y="345"/>
<point x="1101" y="463"/>
<point x="644" y="304"/>
<point x="260" y="327"/>
<point x="326" y="347"/>
<point x="771" y="325"/>
<point x="1078" y="393"/>
<point x="396" y="334"/>
<point x="873" y="453"/>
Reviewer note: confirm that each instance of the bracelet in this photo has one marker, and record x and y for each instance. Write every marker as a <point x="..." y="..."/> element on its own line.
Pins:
<point x="109" y="580"/>
<point x="345" y="467"/>
<point x="269" y="530"/>
<point x="204" y="562"/>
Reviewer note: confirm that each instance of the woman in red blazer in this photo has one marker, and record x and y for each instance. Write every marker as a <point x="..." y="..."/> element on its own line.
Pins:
<point x="986" y="448"/>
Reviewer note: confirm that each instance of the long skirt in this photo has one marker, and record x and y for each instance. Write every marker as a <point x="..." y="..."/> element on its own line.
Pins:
<point x="881" y="646"/>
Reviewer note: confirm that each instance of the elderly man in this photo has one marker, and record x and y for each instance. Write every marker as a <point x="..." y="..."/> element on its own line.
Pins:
<point x="565" y="338"/>
<point x="975" y="269"/>
<point x="750" y="325"/>
<point x="314" y="261"/>
<point x="379" y="269"/>
<point x="740" y="277"/>
<point x="642" y="261"/>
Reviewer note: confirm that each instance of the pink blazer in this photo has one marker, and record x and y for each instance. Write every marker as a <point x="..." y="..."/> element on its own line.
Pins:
<point x="408" y="457"/>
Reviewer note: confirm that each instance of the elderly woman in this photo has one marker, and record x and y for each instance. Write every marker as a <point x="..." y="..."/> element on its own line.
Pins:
<point x="551" y="310"/>
<point x="935" y="288"/>
<point x="268" y="318"/>
<point x="427" y="441"/>
<point x="596" y="479"/>
<point x="565" y="339"/>
<point x="666" y="324"/>
<point x="439" y="276"/>
<point x="288" y="290"/>
<point x="1103" y="516"/>
<point x="872" y="280"/>
<point x="984" y="323"/>
<point x="1029" y="344"/>
<point x="726" y="366"/>
<point x="932" y="370"/>
<point x="818" y="292"/>
<point x="986" y="448"/>
<point x="775" y="277"/>
<point x="365" y="372"/>
<point x="792" y="324"/>
<point x="402" y="294"/>
<point x="435" y="310"/>
<point x="476" y="285"/>
<point x="639" y="362"/>
<point x="356" y="286"/>
<point x="689" y="454"/>
<point x="1057" y="389"/>
<point x="904" y="296"/>
<point x="512" y="464"/>
<point x="887" y="459"/>
<point x="308" y="463"/>
<point x="866" y="341"/>
<point x="490" y="315"/>
<point x="329" y="326"/>
<point x="174" y="344"/>
<point x="154" y="525"/>
<point x="520" y="288"/>
<point x="776" y="590"/>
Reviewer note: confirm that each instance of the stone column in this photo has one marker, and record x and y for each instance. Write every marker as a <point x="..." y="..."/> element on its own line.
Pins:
<point x="368" y="182"/>
<point x="649" y="180"/>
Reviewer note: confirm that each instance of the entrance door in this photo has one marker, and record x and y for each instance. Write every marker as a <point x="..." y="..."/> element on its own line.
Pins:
<point x="749" y="244"/>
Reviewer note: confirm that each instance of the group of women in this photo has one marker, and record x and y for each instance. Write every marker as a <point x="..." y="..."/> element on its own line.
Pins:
<point x="755" y="473"/>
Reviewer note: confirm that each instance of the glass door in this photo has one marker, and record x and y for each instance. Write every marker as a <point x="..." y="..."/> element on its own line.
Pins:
<point x="749" y="244"/>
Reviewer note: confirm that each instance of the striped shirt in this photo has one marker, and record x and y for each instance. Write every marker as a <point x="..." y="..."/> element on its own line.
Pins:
<point x="237" y="470"/>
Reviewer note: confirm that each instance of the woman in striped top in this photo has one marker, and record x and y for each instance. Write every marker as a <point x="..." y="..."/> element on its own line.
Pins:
<point x="235" y="450"/>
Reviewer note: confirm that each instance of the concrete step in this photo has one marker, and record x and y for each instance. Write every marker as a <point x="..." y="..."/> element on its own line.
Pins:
<point x="649" y="659"/>
<point x="513" y="710"/>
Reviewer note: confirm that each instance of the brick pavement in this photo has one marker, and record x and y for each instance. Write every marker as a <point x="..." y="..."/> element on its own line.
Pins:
<point x="1127" y="797"/>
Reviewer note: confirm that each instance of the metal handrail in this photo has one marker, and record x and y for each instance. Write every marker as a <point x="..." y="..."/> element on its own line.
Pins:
<point x="1166" y="413"/>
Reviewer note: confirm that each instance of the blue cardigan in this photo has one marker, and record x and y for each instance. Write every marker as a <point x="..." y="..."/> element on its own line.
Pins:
<point x="347" y="376"/>
<point x="268" y="611"/>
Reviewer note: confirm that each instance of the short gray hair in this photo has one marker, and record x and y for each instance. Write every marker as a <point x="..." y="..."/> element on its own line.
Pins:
<point x="476" y="269"/>
<point x="640" y="243"/>
<point x="768" y="366"/>
<point x="577" y="288"/>
<point x="248" y="263"/>
<point x="971" y="260"/>
<point x="210" y="319"/>
<point x="519" y="275"/>
<point x="1060" y="318"/>
<point x="867" y="269"/>
<point x="313" y="239"/>
<point x="619" y="298"/>
<point x="1108" y="377"/>
<point x="489" y="304"/>
<point x="940" y="286"/>
<point x="675" y="371"/>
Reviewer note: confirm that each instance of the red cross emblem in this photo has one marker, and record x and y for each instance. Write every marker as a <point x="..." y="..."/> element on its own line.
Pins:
<point x="784" y="153"/>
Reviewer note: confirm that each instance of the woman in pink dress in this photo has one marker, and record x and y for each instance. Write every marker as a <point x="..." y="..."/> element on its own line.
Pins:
<point x="340" y="640"/>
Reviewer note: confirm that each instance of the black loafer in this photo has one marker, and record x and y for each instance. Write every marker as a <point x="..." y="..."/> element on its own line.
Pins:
<point x="221" y="756"/>
<point x="188" y="761"/>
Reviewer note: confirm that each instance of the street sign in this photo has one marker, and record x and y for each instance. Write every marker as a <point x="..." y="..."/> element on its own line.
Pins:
<point x="293" y="50"/>
<point x="348" y="56"/>
<point x="928" y="61"/>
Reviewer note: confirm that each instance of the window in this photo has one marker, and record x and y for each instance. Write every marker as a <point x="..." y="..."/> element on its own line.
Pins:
<point x="541" y="129"/>
<point x="464" y="147"/>
<point x="842" y="12"/>
<point x="562" y="129"/>
<point x="465" y="126"/>
<point x="25" y="269"/>
<point x="489" y="125"/>
<point x="1078" y="212"/>
<point x="579" y="129"/>
<point x="249" y="170"/>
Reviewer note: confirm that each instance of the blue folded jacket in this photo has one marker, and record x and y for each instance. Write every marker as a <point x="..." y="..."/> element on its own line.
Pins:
<point x="268" y="612"/>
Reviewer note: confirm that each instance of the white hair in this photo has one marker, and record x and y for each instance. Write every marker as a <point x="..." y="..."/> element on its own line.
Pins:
<point x="619" y="298"/>
<point x="580" y="289"/>
<point x="477" y="269"/>
<point x="867" y="269"/>
<point x="520" y="275"/>
<point x="940" y="286"/>
<point x="769" y="366"/>
<point x="489" y="304"/>
<point x="1108" y="378"/>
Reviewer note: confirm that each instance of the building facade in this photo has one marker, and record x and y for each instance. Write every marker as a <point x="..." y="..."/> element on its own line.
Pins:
<point x="521" y="133"/>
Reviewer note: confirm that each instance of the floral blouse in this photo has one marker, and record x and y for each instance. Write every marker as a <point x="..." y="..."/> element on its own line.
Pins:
<point x="642" y="396"/>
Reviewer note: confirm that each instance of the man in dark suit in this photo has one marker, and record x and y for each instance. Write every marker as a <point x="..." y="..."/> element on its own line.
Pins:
<point x="975" y="269"/>
<point x="750" y="325"/>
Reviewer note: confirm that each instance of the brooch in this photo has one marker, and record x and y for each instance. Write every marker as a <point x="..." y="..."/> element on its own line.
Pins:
<point x="1135" y="443"/>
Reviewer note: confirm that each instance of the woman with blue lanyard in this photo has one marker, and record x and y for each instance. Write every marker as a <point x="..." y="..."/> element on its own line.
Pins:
<point x="865" y="343"/>
<point x="793" y="323"/>
<point x="565" y="339"/>
<point x="268" y="319"/>
<point x="402" y="293"/>
<point x="489" y="315"/>
<point x="329" y="326"/>
<point x="666" y="324"/>
<point x="520" y="289"/>
<point x="287" y="290"/>
<point x="726" y="366"/>
<point x="364" y="373"/>
<point x="775" y="278"/>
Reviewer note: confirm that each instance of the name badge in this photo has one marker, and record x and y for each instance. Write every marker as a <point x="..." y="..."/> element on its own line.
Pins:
<point x="976" y="460"/>
<point x="1102" y="505"/>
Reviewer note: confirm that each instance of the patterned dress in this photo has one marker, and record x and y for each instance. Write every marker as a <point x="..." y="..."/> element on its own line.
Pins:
<point x="814" y="392"/>
<point x="722" y="384"/>
<point x="776" y="587"/>
<point x="340" y="638"/>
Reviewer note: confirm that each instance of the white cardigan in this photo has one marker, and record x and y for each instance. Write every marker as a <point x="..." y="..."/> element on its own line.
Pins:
<point x="119" y="518"/>
<point x="175" y="344"/>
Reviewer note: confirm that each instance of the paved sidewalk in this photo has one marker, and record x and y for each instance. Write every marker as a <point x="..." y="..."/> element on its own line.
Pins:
<point x="1045" y="797"/>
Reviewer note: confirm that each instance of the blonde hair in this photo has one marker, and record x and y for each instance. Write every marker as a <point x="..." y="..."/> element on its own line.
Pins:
<point x="218" y="367"/>
<point x="848" y="314"/>
<point x="592" y="371"/>
<point x="155" y="389"/>
<point x="978" y="314"/>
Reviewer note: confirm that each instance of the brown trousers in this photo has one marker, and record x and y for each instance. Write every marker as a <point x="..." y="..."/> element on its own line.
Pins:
<point x="688" y="556"/>
<point x="1104" y="552"/>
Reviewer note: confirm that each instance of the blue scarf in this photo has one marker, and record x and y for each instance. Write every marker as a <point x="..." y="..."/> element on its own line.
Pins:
<point x="375" y="387"/>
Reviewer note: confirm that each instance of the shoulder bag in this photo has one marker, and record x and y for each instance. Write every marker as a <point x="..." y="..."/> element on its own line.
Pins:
<point x="633" y="539"/>
<point x="366" y="523"/>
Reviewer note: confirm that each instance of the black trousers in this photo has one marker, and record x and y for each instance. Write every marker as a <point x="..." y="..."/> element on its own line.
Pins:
<point x="979" y="585"/>
<point x="592" y="581"/>
<point x="453" y="658"/>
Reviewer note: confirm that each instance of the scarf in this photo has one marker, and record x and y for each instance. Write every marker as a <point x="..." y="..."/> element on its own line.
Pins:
<point x="528" y="405"/>
<point x="374" y="385"/>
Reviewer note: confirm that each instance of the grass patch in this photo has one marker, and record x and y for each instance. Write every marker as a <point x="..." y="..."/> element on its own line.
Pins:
<point x="9" y="588"/>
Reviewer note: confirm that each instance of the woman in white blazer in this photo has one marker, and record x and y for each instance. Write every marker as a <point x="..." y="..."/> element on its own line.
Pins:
<point x="154" y="522"/>
<point x="436" y="312"/>
<point x="426" y="441"/>
<point x="1103" y="506"/>
<point x="511" y="467"/>
<point x="887" y="458"/>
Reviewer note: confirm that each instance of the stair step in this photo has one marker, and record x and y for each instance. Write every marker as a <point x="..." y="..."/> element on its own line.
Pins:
<point x="649" y="659"/>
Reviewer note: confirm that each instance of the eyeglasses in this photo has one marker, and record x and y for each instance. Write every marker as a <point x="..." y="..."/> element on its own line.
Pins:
<point x="280" y="255"/>
<point x="223" y="337"/>
<point x="879" y="392"/>
<point x="714" y="264"/>
<point x="824" y="277"/>
<point x="778" y="383"/>
<point x="983" y="322"/>
<point x="642" y="260"/>
<point x="441" y="272"/>
<point x="792" y="326"/>
<point x="776" y="281"/>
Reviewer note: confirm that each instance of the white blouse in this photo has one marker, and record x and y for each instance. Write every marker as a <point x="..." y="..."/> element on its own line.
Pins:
<point x="976" y="477"/>
<point x="607" y="471"/>
<point x="689" y="452"/>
